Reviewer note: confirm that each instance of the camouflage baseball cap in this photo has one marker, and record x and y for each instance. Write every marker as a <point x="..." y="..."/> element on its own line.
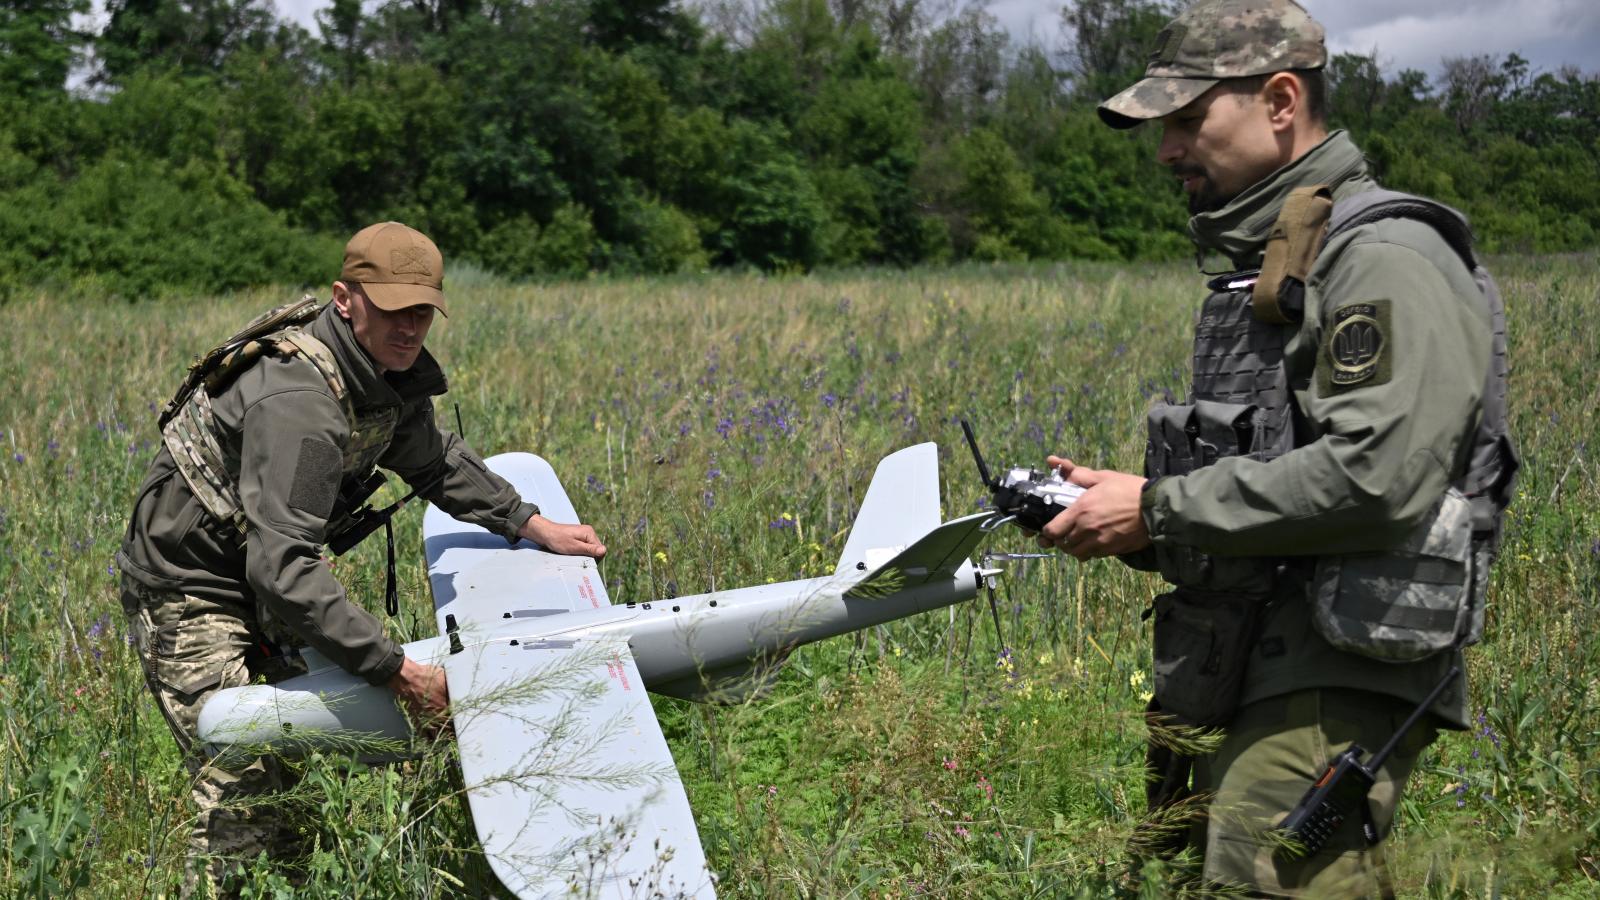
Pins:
<point x="397" y="266"/>
<point x="1213" y="40"/>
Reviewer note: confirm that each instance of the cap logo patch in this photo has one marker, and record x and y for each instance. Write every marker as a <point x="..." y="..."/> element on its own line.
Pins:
<point x="1167" y="44"/>
<point x="409" y="261"/>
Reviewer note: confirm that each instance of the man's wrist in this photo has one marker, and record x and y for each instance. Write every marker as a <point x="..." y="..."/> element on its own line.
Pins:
<point x="523" y="515"/>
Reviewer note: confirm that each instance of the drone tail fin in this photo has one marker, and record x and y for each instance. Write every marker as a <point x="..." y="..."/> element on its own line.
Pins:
<point x="901" y="506"/>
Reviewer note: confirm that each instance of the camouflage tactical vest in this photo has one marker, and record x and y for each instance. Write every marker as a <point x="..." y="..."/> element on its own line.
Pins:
<point x="207" y="455"/>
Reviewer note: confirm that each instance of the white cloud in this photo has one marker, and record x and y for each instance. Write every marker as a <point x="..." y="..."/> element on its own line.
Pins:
<point x="1417" y="34"/>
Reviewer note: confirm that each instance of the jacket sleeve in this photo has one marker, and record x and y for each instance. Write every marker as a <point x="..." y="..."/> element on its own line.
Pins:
<point x="291" y="457"/>
<point x="451" y="475"/>
<point x="1384" y="443"/>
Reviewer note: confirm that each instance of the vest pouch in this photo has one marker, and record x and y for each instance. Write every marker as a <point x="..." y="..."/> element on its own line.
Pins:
<point x="1225" y="429"/>
<point x="1172" y="431"/>
<point x="1202" y="642"/>
<point x="1409" y="603"/>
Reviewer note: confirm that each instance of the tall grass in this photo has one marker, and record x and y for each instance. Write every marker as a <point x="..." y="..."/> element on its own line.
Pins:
<point x="718" y="432"/>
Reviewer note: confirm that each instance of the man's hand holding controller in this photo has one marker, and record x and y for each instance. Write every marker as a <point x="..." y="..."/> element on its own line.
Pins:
<point x="1104" y="520"/>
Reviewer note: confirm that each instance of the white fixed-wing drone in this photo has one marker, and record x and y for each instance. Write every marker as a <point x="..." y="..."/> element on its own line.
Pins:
<point x="570" y="783"/>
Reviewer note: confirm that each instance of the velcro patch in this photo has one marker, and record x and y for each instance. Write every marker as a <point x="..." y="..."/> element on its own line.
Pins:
<point x="1167" y="44"/>
<point x="316" y="477"/>
<point x="1358" y="348"/>
<point x="409" y="261"/>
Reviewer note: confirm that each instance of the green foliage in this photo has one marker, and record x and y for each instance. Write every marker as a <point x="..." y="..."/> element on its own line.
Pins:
<point x="774" y="216"/>
<point x="50" y="819"/>
<point x="783" y="135"/>
<point x="38" y="44"/>
<point x="156" y="226"/>
<point x="664" y="240"/>
<point x="566" y="246"/>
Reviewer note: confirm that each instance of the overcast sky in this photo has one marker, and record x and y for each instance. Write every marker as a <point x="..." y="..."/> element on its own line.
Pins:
<point x="1408" y="34"/>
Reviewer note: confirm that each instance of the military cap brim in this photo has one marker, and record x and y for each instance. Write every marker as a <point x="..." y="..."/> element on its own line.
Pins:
<point x="1152" y="98"/>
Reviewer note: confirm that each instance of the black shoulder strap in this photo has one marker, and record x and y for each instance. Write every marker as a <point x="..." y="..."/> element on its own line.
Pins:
<point x="1376" y="205"/>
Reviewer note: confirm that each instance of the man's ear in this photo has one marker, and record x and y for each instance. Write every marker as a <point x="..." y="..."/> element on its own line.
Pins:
<point x="341" y="299"/>
<point x="1284" y="96"/>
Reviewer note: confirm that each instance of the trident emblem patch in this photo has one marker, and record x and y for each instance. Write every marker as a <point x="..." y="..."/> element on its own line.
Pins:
<point x="1357" y="344"/>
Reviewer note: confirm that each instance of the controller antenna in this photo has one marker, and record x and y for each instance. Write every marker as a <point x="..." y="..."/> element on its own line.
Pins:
<point x="983" y="470"/>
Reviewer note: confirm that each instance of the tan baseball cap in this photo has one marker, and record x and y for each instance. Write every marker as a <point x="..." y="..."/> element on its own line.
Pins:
<point x="396" y="265"/>
<point x="1215" y="40"/>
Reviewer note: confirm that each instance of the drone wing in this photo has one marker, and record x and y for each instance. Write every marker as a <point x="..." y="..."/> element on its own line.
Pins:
<point x="483" y="582"/>
<point x="572" y="788"/>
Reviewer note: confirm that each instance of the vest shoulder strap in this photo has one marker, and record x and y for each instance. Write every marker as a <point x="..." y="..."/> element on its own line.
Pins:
<point x="296" y="341"/>
<point x="1292" y="248"/>
<point x="219" y="365"/>
<point x="1376" y="205"/>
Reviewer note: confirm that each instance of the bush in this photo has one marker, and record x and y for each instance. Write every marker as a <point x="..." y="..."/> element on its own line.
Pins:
<point x="567" y="246"/>
<point x="131" y="226"/>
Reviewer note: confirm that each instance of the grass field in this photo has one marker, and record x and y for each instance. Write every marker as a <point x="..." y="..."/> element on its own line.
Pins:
<point x="717" y="431"/>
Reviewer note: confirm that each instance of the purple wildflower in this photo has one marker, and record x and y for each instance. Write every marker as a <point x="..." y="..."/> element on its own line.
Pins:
<point x="19" y="457"/>
<point x="829" y="400"/>
<point x="725" y="426"/>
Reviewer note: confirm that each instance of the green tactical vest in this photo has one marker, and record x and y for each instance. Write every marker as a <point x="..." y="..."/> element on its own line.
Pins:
<point x="207" y="455"/>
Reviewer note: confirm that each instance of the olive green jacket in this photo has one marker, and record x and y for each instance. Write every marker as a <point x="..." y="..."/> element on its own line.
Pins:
<point x="271" y="410"/>
<point x="1371" y="458"/>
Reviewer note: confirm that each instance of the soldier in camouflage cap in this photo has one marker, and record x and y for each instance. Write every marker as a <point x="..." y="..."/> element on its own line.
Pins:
<point x="1212" y="41"/>
<point x="223" y="578"/>
<point x="1346" y="409"/>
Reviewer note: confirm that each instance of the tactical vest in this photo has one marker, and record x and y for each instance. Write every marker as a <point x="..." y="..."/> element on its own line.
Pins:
<point x="207" y="455"/>
<point x="1242" y="402"/>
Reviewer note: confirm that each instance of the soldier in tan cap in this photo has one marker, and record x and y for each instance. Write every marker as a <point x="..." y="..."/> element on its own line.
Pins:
<point x="1327" y="501"/>
<point x="264" y="449"/>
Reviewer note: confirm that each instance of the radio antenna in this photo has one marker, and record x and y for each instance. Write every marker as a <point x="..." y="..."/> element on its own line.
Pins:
<point x="983" y="470"/>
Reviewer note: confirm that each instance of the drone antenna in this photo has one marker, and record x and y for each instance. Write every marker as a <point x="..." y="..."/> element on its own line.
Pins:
<point x="983" y="470"/>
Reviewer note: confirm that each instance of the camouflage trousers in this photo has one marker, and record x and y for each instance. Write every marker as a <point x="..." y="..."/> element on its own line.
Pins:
<point x="190" y="648"/>
<point x="1273" y="751"/>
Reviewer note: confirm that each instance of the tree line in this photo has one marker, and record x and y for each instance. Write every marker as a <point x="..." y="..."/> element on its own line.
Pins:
<point x="209" y="144"/>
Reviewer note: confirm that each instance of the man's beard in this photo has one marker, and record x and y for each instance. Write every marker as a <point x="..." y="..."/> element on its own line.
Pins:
<point x="1206" y="199"/>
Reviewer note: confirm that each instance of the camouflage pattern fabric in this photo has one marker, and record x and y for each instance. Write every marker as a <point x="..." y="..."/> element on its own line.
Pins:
<point x="190" y="648"/>
<point x="1272" y="752"/>
<point x="191" y="438"/>
<point x="1214" y="40"/>
<point x="205" y="460"/>
<point x="1413" y="602"/>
